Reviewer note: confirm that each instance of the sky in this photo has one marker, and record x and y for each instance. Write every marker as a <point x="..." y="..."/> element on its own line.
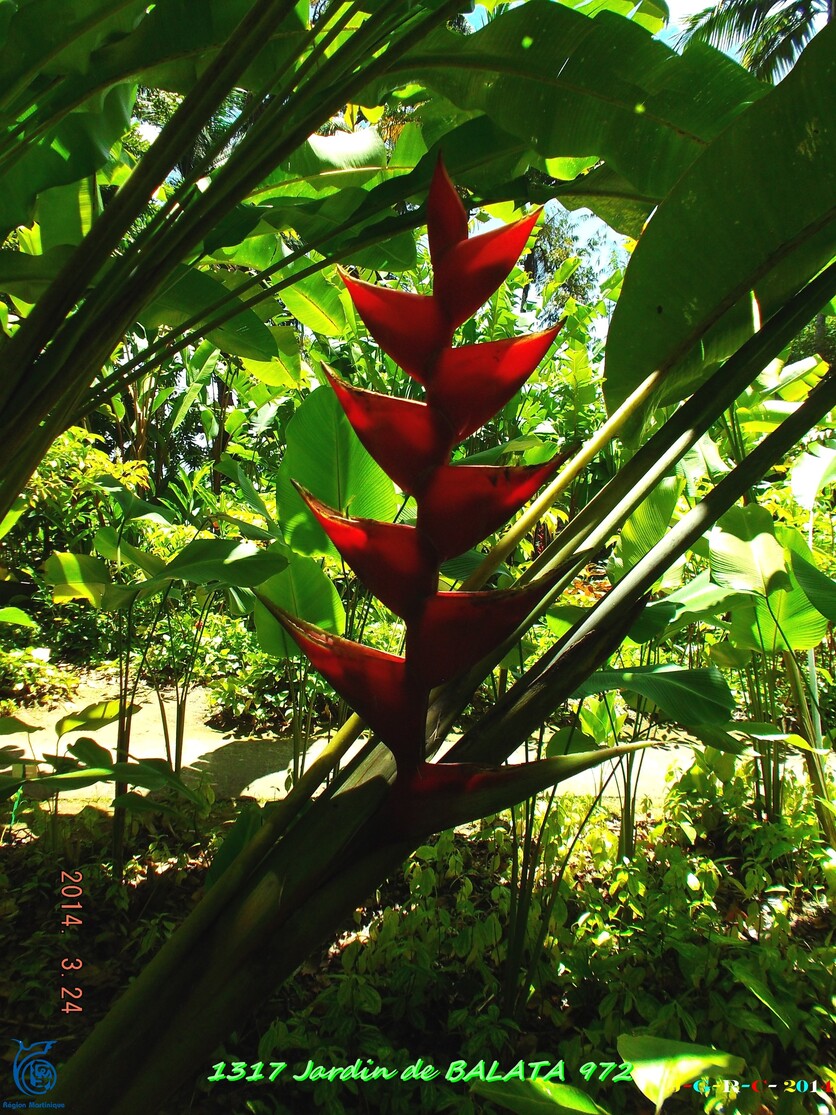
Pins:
<point x="681" y="8"/>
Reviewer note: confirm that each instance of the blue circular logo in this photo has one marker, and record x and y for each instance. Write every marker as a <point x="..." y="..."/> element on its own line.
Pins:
<point x="33" y="1074"/>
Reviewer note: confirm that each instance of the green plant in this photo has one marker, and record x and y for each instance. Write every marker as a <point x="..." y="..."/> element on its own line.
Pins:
<point x="531" y="89"/>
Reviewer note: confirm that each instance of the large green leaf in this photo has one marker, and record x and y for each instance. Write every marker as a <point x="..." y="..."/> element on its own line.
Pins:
<point x="110" y="545"/>
<point x="327" y="163"/>
<point x="151" y="774"/>
<point x="758" y="208"/>
<point x="699" y="601"/>
<point x="787" y="1013"/>
<point x="54" y="37"/>
<point x="745" y="554"/>
<point x="661" y="1066"/>
<point x="546" y="74"/>
<point x="538" y="1097"/>
<point x="76" y="577"/>
<point x="191" y="293"/>
<point x="225" y="561"/>
<point x="812" y="471"/>
<point x="98" y="715"/>
<point x="686" y="696"/>
<point x="819" y="589"/>
<point x="75" y="148"/>
<point x="316" y="303"/>
<point x="303" y="590"/>
<point x="65" y="214"/>
<point x="646" y="526"/>
<point x="210" y="562"/>
<point x="130" y="504"/>
<point x="650" y="14"/>
<point x="17" y="616"/>
<point x="169" y="47"/>
<point x="12" y="725"/>
<point x="325" y="456"/>
<point x="783" y="617"/>
<point x="785" y="620"/>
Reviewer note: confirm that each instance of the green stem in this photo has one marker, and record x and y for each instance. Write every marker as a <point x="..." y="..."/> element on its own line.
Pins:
<point x="812" y="760"/>
<point x="39" y="327"/>
<point x="536" y="694"/>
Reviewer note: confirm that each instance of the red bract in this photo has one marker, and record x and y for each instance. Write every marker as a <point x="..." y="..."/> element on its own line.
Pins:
<point x="458" y="505"/>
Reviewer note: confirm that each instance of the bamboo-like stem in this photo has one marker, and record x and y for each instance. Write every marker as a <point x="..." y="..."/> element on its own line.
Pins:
<point x="535" y="510"/>
<point x="530" y="700"/>
<point x="106" y="234"/>
<point x="99" y="326"/>
<point x="319" y="868"/>
<point x="592" y="527"/>
<point x="812" y="759"/>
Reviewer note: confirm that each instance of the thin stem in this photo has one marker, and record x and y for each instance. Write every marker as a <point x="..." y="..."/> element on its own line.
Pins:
<point x="23" y="348"/>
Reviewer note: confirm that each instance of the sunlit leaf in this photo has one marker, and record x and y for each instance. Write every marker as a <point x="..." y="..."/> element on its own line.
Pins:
<point x="661" y="1066"/>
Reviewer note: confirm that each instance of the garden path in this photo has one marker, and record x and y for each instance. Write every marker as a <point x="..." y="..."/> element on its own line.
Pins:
<point x="255" y="766"/>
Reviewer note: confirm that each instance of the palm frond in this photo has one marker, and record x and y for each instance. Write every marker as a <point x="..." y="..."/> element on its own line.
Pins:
<point x="771" y="51"/>
<point x="770" y="33"/>
<point x="727" y="24"/>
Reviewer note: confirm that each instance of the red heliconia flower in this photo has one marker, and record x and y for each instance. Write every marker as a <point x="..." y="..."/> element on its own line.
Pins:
<point x="458" y="505"/>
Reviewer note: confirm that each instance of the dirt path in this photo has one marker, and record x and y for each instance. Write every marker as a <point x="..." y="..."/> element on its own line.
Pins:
<point x="252" y="766"/>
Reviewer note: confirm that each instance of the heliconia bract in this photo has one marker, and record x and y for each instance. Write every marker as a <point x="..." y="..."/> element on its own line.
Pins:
<point x="458" y="504"/>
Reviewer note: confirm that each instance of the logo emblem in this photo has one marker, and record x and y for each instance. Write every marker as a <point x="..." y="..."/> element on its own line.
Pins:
<point x="33" y="1073"/>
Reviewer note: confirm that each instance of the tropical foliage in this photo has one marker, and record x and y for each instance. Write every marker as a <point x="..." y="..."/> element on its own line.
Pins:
<point x="770" y="36"/>
<point x="179" y="307"/>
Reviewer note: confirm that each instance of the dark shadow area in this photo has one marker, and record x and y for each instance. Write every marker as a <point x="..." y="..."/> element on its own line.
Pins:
<point x="234" y="765"/>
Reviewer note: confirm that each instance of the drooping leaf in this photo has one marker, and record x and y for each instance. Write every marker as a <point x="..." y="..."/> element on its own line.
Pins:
<point x="89" y="752"/>
<point x="745" y="555"/>
<point x="325" y="457"/>
<point x="17" y="616"/>
<point x="226" y="561"/>
<point x="720" y="738"/>
<point x="249" y="820"/>
<point x="97" y="715"/>
<point x="304" y="591"/>
<point x="130" y="504"/>
<point x="327" y="163"/>
<point x="315" y="302"/>
<point x="785" y="620"/>
<point x="209" y="562"/>
<point x="686" y="696"/>
<point x="108" y="543"/>
<point x="786" y="1013"/>
<point x="538" y="1097"/>
<point x="812" y="471"/>
<point x="192" y="292"/>
<point x="646" y="526"/>
<point x="661" y="1066"/>
<point x="698" y="601"/>
<point x="65" y="214"/>
<point x="543" y="72"/>
<point x="12" y="725"/>
<point x="76" y="577"/>
<point x="74" y="148"/>
<point x="819" y="589"/>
